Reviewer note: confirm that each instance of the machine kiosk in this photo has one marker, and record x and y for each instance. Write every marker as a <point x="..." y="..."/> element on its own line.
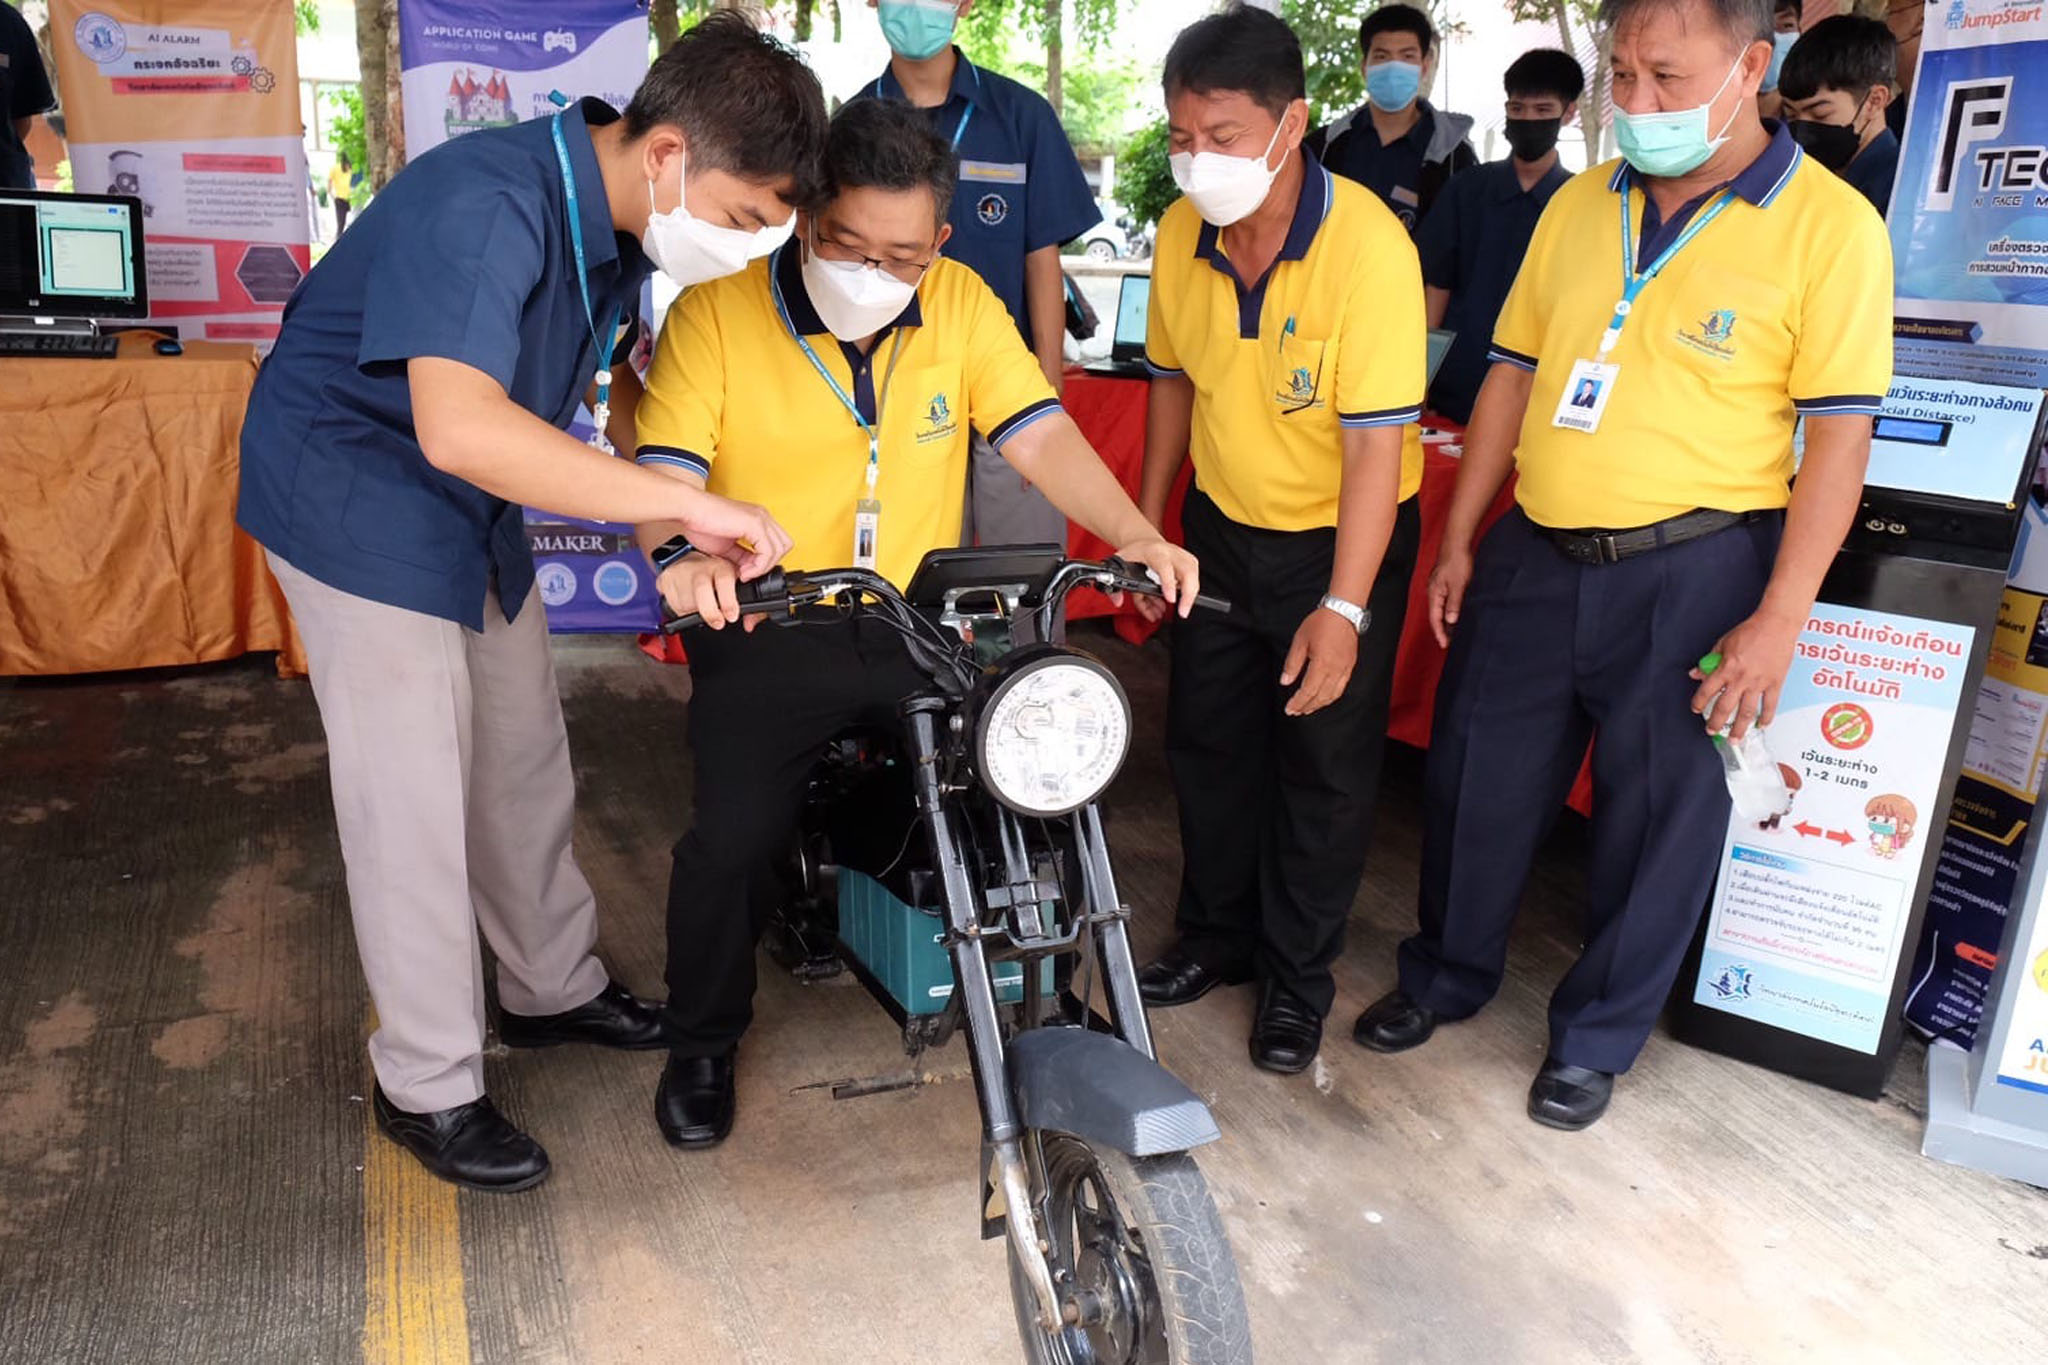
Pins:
<point x="1802" y="961"/>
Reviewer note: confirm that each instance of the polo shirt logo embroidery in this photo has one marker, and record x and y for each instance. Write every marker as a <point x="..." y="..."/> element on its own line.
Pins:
<point x="992" y="209"/>
<point x="1714" y="335"/>
<point x="939" y="423"/>
<point x="1301" y="386"/>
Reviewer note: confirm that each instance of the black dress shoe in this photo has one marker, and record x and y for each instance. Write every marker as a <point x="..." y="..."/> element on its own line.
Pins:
<point x="1287" y="1033"/>
<point x="615" y="1018"/>
<point x="1174" y="978"/>
<point x="695" y="1102"/>
<point x="472" y="1145"/>
<point x="1569" y="1097"/>
<point x="1394" y="1023"/>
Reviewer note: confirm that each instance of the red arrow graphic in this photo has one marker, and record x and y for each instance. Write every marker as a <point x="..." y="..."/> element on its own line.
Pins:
<point x="1841" y="836"/>
<point x="1808" y="831"/>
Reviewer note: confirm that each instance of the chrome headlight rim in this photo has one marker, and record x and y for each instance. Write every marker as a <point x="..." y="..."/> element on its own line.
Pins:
<point x="1007" y="677"/>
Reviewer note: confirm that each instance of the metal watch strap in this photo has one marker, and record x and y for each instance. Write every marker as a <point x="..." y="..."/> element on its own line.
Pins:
<point x="1359" y="617"/>
<point x="669" y="551"/>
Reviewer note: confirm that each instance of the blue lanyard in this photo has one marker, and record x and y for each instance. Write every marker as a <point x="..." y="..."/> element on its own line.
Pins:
<point x="871" y="431"/>
<point x="601" y="342"/>
<point x="1633" y="283"/>
<point x="959" y="129"/>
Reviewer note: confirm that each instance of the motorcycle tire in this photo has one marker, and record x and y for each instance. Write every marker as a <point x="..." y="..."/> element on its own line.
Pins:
<point x="1160" y="1270"/>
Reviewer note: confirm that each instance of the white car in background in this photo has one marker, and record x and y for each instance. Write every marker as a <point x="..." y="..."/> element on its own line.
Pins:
<point x="1110" y="239"/>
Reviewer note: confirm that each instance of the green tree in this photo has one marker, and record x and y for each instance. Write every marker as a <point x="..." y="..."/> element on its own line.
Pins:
<point x="1144" y="179"/>
<point x="1046" y="22"/>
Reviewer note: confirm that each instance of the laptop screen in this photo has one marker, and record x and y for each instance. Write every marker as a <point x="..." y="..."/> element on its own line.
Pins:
<point x="1133" y="304"/>
<point x="1439" y="346"/>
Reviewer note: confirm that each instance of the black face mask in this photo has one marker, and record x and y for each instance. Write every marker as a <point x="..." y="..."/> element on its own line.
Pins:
<point x="1532" y="139"/>
<point x="1833" y="145"/>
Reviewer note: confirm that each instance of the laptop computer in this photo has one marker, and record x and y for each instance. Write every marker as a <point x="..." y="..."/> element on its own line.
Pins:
<point x="1437" y="346"/>
<point x="1127" y="342"/>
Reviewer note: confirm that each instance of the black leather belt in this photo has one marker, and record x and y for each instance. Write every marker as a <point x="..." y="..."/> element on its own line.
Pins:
<point x="1611" y="547"/>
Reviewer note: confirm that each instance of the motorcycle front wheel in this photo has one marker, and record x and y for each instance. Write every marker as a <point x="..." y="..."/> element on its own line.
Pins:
<point x="1139" y="1249"/>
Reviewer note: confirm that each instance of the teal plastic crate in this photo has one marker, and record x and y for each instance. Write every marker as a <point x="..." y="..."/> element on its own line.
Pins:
<point x="904" y="948"/>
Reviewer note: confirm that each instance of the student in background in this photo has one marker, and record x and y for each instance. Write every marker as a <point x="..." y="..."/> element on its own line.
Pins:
<point x="1397" y="144"/>
<point x="1021" y="198"/>
<point x="1784" y="34"/>
<point x="1473" y="240"/>
<point x="338" y="182"/>
<point x="1905" y="19"/>
<point x="24" y="93"/>
<point x="1837" y="85"/>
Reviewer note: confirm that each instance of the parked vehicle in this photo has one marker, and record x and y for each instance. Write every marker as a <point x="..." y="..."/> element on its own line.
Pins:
<point x="988" y="924"/>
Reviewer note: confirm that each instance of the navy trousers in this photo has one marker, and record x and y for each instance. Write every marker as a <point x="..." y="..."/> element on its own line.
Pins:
<point x="1547" y="655"/>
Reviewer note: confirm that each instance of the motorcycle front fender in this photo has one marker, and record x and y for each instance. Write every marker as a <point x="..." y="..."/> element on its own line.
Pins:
<point x="1098" y="1087"/>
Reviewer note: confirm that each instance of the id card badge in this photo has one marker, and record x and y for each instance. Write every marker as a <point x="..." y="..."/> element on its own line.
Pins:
<point x="1585" y="396"/>
<point x="867" y="532"/>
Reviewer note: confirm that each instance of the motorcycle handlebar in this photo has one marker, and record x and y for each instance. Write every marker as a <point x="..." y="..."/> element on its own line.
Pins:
<point x="767" y="595"/>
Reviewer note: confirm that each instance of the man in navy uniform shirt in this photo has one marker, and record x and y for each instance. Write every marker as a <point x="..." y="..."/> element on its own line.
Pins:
<point x="1020" y="198"/>
<point x="24" y="93"/>
<point x="1473" y="240"/>
<point x="1838" y="83"/>
<point x="419" y="393"/>
<point x="1397" y="144"/>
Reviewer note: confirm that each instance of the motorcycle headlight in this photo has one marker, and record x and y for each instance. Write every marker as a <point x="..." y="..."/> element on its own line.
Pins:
<point x="1052" y="734"/>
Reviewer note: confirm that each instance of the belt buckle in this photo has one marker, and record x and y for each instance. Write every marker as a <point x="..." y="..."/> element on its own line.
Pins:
<point x="1606" y="551"/>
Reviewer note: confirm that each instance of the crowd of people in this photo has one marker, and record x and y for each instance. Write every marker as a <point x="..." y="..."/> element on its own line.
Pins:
<point x="864" y="366"/>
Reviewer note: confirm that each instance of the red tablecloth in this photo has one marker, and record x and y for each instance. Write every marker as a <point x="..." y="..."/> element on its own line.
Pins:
<point x="1111" y="413"/>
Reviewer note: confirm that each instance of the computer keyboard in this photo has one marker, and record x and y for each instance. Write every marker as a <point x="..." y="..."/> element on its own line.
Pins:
<point x="58" y="345"/>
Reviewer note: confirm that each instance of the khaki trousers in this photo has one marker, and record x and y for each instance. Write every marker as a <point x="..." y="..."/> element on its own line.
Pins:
<point x="453" y="797"/>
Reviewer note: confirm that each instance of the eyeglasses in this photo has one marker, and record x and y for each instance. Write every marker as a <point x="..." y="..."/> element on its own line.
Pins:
<point x="904" y="272"/>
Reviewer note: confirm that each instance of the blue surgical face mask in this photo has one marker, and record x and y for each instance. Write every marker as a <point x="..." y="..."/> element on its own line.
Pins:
<point x="1676" y="142"/>
<point x="1781" y="43"/>
<point x="1392" y="86"/>
<point x="918" y="29"/>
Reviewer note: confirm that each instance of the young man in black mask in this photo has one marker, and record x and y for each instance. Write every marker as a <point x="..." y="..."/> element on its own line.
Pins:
<point x="1473" y="240"/>
<point x="1838" y="83"/>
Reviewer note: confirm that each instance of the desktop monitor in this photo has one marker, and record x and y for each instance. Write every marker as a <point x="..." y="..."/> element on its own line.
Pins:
<point x="71" y="256"/>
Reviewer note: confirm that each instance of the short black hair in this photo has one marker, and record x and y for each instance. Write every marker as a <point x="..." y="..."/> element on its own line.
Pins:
<point x="1546" y="71"/>
<point x="1242" y="49"/>
<point x="1788" y="7"/>
<point x="1847" y="53"/>
<point x="746" y="103"/>
<point x="885" y="144"/>
<point x="1396" y="19"/>
<point x="1746" y="21"/>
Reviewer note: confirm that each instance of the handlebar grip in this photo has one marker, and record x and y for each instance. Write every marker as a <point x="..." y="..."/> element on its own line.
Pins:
<point x="769" y="593"/>
<point x="1219" y="605"/>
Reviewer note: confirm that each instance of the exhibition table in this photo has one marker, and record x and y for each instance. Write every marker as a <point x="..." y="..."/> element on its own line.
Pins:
<point x="118" y="544"/>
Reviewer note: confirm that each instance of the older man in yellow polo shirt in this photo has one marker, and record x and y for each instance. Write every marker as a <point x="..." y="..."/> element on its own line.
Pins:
<point x="1678" y="312"/>
<point x="837" y="377"/>
<point x="1286" y="345"/>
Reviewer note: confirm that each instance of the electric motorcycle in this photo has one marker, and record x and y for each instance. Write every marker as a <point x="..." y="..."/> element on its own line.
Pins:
<point x="1003" y="921"/>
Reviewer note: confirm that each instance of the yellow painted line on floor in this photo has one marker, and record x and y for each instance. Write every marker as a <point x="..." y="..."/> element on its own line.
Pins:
<point x="415" y="1311"/>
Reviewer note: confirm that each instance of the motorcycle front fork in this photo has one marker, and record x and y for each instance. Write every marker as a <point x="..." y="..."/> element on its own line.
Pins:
<point x="1002" y="1127"/>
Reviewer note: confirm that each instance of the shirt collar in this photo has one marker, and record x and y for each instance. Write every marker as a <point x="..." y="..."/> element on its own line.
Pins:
<point x="1886" y="143"/>
<point x="1310" y="212"/>
<point x="1508" y="187"/>
<point x="600" y="238"/>
<point x="966" y="81"/>
<point x="788" y="266"/>
<point x="1760" y="182"/>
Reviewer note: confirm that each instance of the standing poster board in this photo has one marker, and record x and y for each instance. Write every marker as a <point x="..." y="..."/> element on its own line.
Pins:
<point x="468" y="65"/>
<point x="193" y="107"/>
<point x="1969" y="216"/>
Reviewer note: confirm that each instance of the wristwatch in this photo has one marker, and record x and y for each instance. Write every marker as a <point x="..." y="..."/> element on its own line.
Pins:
<point x="1359" y="617"/>
<point x="669" y="551"/>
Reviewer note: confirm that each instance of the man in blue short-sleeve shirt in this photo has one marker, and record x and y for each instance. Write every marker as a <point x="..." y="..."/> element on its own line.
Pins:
<point x="1020" y="198"/>
<point x="24" y="93"/>
<point x="419" y="393"/>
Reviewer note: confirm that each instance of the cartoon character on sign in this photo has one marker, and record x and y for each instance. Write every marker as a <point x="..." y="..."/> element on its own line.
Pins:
<point x="1891" y="818"/>
<point x="1793" y="782"/>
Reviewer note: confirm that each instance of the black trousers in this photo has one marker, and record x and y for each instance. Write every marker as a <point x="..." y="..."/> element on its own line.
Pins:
<point x="1547" y="654"/>
<point x="340" y="216"/>
<point x="1275" y="811"/>
<point x="762" y="706"/>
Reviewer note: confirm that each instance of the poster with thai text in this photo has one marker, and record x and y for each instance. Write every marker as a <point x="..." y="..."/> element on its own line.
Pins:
<point x="192" y="106"/>
<point x="1811" y="910"/>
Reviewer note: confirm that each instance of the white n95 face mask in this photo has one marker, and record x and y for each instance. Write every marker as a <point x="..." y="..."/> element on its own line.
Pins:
<point x="854" y="300"/>
<point x="1225" y="189"/>
<point x="691" y="251"/>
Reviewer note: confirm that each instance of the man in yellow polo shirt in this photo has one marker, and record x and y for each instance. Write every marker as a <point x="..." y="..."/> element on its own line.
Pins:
<point x="1655" y="526"/>
<point x="839" y="380"/>
<point x="1286" y="344"/>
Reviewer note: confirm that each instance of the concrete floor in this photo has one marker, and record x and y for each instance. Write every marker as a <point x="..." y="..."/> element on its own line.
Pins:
<point x="187" y="1173"/>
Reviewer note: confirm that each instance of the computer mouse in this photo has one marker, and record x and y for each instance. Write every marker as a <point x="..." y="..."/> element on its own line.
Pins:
<point x="170" y="346"/>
